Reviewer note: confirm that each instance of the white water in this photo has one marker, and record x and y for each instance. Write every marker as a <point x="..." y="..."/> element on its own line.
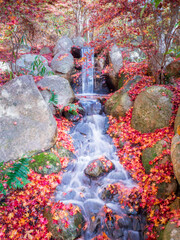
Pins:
<point x="87" y="70"/>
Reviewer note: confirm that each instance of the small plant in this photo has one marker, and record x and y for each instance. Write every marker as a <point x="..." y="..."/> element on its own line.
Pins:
<point x="38" y="66"/>
<point x="54" y="98"/>
<point x="72" y="108"/>
<point x="15" y="176"/>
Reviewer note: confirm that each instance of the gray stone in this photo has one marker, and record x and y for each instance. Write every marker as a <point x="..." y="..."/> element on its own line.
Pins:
<point x="45" y="50"/>
<point x="171" y="231"/>
<point x="133" y="235"/>
<point x="78" y="41"/>
<point x="63" y="43"/>
<point x="24" y="48"/>
<point x="152" y="109"/>
<point x="63" y="62"/>
<point x="25" y="63"/>
<point x="4" y="67"/>
<point x="26" y="123"/>
<point x="61" y="88"/>
<point x="175" y="155"/>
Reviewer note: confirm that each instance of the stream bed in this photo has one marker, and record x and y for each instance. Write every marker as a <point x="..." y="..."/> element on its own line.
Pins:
<point x="100" y="207"/>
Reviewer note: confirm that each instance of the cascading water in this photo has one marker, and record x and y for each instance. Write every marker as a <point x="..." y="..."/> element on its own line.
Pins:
<point x="87" y="70"/>
<point x="92" y="142"/>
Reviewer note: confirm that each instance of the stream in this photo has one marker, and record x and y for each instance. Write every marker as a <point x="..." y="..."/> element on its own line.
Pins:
<point x="101" y="210"/>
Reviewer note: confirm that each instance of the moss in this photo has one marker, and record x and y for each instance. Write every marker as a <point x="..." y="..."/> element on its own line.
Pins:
<point x="167" y="92"/>
<point x="150" y="153"/>
<point x="45" y="163"/>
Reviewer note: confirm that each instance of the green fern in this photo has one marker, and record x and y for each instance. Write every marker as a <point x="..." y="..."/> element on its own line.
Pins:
<point x="16" y="176"/>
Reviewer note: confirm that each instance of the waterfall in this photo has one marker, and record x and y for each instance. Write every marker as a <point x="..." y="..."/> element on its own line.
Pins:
<point x="87" y="70"/>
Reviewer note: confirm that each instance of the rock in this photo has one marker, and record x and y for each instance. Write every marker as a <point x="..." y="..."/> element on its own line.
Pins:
<point x="61" y="88"/>
<point x="118" y="104"/>
<point x="26" y="123"/>
<point x="26" y="61"/>
<point x="150" y="153"/>
<point x="177" y="120"/>
<point x="78" y="41"/>
<point x="166" y="188"/>
<point x="24" y="49"/>
<point x="92" y="206"/>
<point x="175" y="155"/>
<point x="152" y="109"/>
<point x="116" y="60"/>
<point x="172" y="69"/>
<point x="76" y="52"/>
<point x="171" y="232"/>
<point x="99" y="167"/>
<point x="45" y="163"/>
<point x="84" y="129"/>
<point x="45" y="50"/>
<point x="63" y="43"/>
<point x="133" y="235"/>
<point x="4" y="67"/>
<point x="63" y="63"/>
<point x="66" y="221"/>
<point x="125" y="222"/>
<point x="134" y="56"/>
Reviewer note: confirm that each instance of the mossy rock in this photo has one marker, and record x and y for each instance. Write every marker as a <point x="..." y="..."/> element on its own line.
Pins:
<point x="150" y="153"/>
<point x="45" y="163"/>
<point x="64" y="223"/>
<point x="171" y="231"/>
<point x="152" y="109"/>
<point x="165" y="189"/>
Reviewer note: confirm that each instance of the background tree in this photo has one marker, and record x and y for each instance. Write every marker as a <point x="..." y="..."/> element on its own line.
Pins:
<point x="150" y="25"/>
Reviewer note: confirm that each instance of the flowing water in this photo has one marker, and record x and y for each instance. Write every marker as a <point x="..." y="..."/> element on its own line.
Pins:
<point x="92" y="142"/>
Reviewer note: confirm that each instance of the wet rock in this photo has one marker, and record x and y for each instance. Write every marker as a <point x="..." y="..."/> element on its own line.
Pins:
<point x="92" y="206"/>
<point x="149" y="154"/>
<point x="84" y="129"/>
<point x="175" y="155"/>
<point x="152" y="109"/>
<point x="65" y="222"/>
<point x="125" y="222"/>
<point x="99" y="167"/>
<point x="136" y="224"/>
<point x="45" y="163"/>
<point x="76" y="52"/>
<point x="92" y="107"/>
<point x="120" y="175"/>
<point x="133" y="235"/>
<point x="26" y="123"/>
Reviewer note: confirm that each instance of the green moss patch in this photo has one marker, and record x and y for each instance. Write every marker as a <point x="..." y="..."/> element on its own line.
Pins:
<point x="45" y="163"/>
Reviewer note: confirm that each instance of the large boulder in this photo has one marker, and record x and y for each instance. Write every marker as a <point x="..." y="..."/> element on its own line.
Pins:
<point x="64" y="221"/>
<point x="171" y="231"/>
<point x="152" y="109"/>
<point x="33" y="63"/>
<point x="61" y="88"/>
<point x="63" y="43"/>
<point x="26" y="123"/>
<point x="116" y="61"/>
<point x="175" y="155"/>
<point x="63" y="62"/>
<point x="177" y="121"/>
<point x="119" y="103"/>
